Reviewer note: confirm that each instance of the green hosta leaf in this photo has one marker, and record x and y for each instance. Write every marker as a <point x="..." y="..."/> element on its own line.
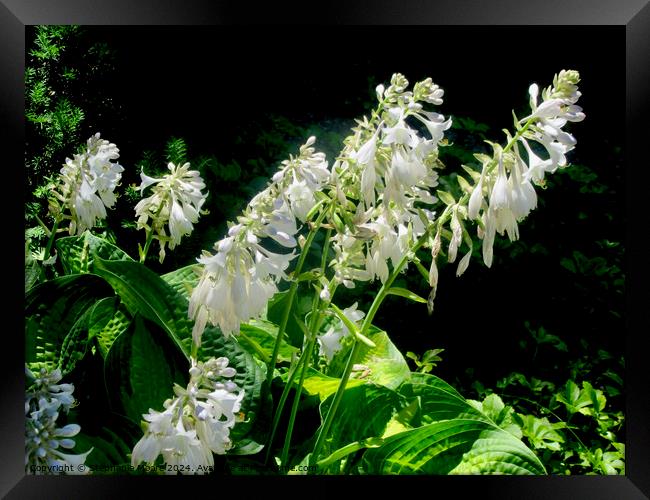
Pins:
<point x="77" y="253"/>
<point x="109" y="320"/>
<point x="250" y="377"/>
<point x="386" y="364"/>
<point x="456" y="438"/>
<point x="143" y="291"/>
<point x="458" y="446"/>
<point x="141" y="368"/>
<point x="77" y="342"/>
<point x="318" y="384"/>
<point x="51" y="311"/>
<point x="541" y="434"/>
<point x="301" y="306"/>
<point x="403" y="292"/>
<point x="364" y="412"/>
<point x="183" y="280"/>
<point x="258" y="338"/>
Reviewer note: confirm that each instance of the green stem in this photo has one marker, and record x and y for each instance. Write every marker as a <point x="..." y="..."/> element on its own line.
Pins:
<point x="149" y="240"/>
<point x="512" y="142"/>
<point x="292" y="293"/>
<point x="314" y="325"/>
<point x="50" y="241"/>
<point x="296" y="400"/>
<point x="379" y="298"/>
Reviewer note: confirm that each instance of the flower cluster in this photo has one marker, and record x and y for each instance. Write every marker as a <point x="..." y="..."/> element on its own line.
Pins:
<point x="196" y="423"/>
<point x="389" y="167"/>
<point x="239" y="279"/>
<point x="87" y="183"/>
<point x="502" y="198"/>
<point x="176" y="201"/>
<point x="44" y="441"/>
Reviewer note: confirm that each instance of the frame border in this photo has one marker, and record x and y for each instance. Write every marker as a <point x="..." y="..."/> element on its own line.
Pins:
<point x="633" y="14"/>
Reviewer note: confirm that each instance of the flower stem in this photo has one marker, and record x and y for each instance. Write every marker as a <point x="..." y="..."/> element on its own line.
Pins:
<point x="291" y="295"/>
<point x="379" y="298"/>
<point x="315" y="320"/>
<point x="50" y="241"/>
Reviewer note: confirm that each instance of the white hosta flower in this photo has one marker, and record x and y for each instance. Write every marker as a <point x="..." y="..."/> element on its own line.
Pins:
<point x="45" y="399"/>
<point x="176" y="200"/>
<point x="88" y="182"/>
<point x="196" y="423"/>
<point x="330" y="341"/>
<point x="236" y="284"/>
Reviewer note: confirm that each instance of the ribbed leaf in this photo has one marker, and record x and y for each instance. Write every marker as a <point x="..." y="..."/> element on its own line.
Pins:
<point x="52" y="309"/>
<point x="386" y="363"/>
<point x="141" y="368"/>
<point x="250" y="377"/>
<point x="109" y="319"/>
<point x="458" y="446"/>
<point x="183" y="280"/>
<point x="76" y="343"/>
<point x="144" y="292"/>
<point x="77" y="253"/>
<point x="456" y="438"/>
<point x="319" y="384"/>
<point x="364" y="412"/>
<point x="258" y="338"/>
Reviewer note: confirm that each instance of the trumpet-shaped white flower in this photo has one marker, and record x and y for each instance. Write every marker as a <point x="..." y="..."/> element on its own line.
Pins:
<point x="87" y="183"/>
<point x="176" y="201"/>
<point x="239" y="279"/>
<point x="196" y="423"/>
<point x="45" y="399"/>
<point x="330" y="341"/>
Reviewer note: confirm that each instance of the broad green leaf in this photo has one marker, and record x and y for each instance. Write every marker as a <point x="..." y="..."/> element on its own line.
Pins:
<point x="141" y="368"/>
<point x="403" y="292"/>
<point x="250" y="377"/>
<point x="76" y="343"/>
<point x="77" y="253"/>
<point x="143" y="291"/>
<point x="456" y="438"/>
<point x="301" y="306"/>
<point x="52" y="309"/>
<point x="109" y="320"/>
<point x="258" y="338"/>
<point x="386" y="364"/>
<point x="458" y="446"/>
<point x="319" y="384"/>
<point x="364" y="412"/>
<point x="183" y="280"/>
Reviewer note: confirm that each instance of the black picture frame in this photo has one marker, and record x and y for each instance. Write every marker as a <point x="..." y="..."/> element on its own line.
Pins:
<point x="633" y="14"/>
